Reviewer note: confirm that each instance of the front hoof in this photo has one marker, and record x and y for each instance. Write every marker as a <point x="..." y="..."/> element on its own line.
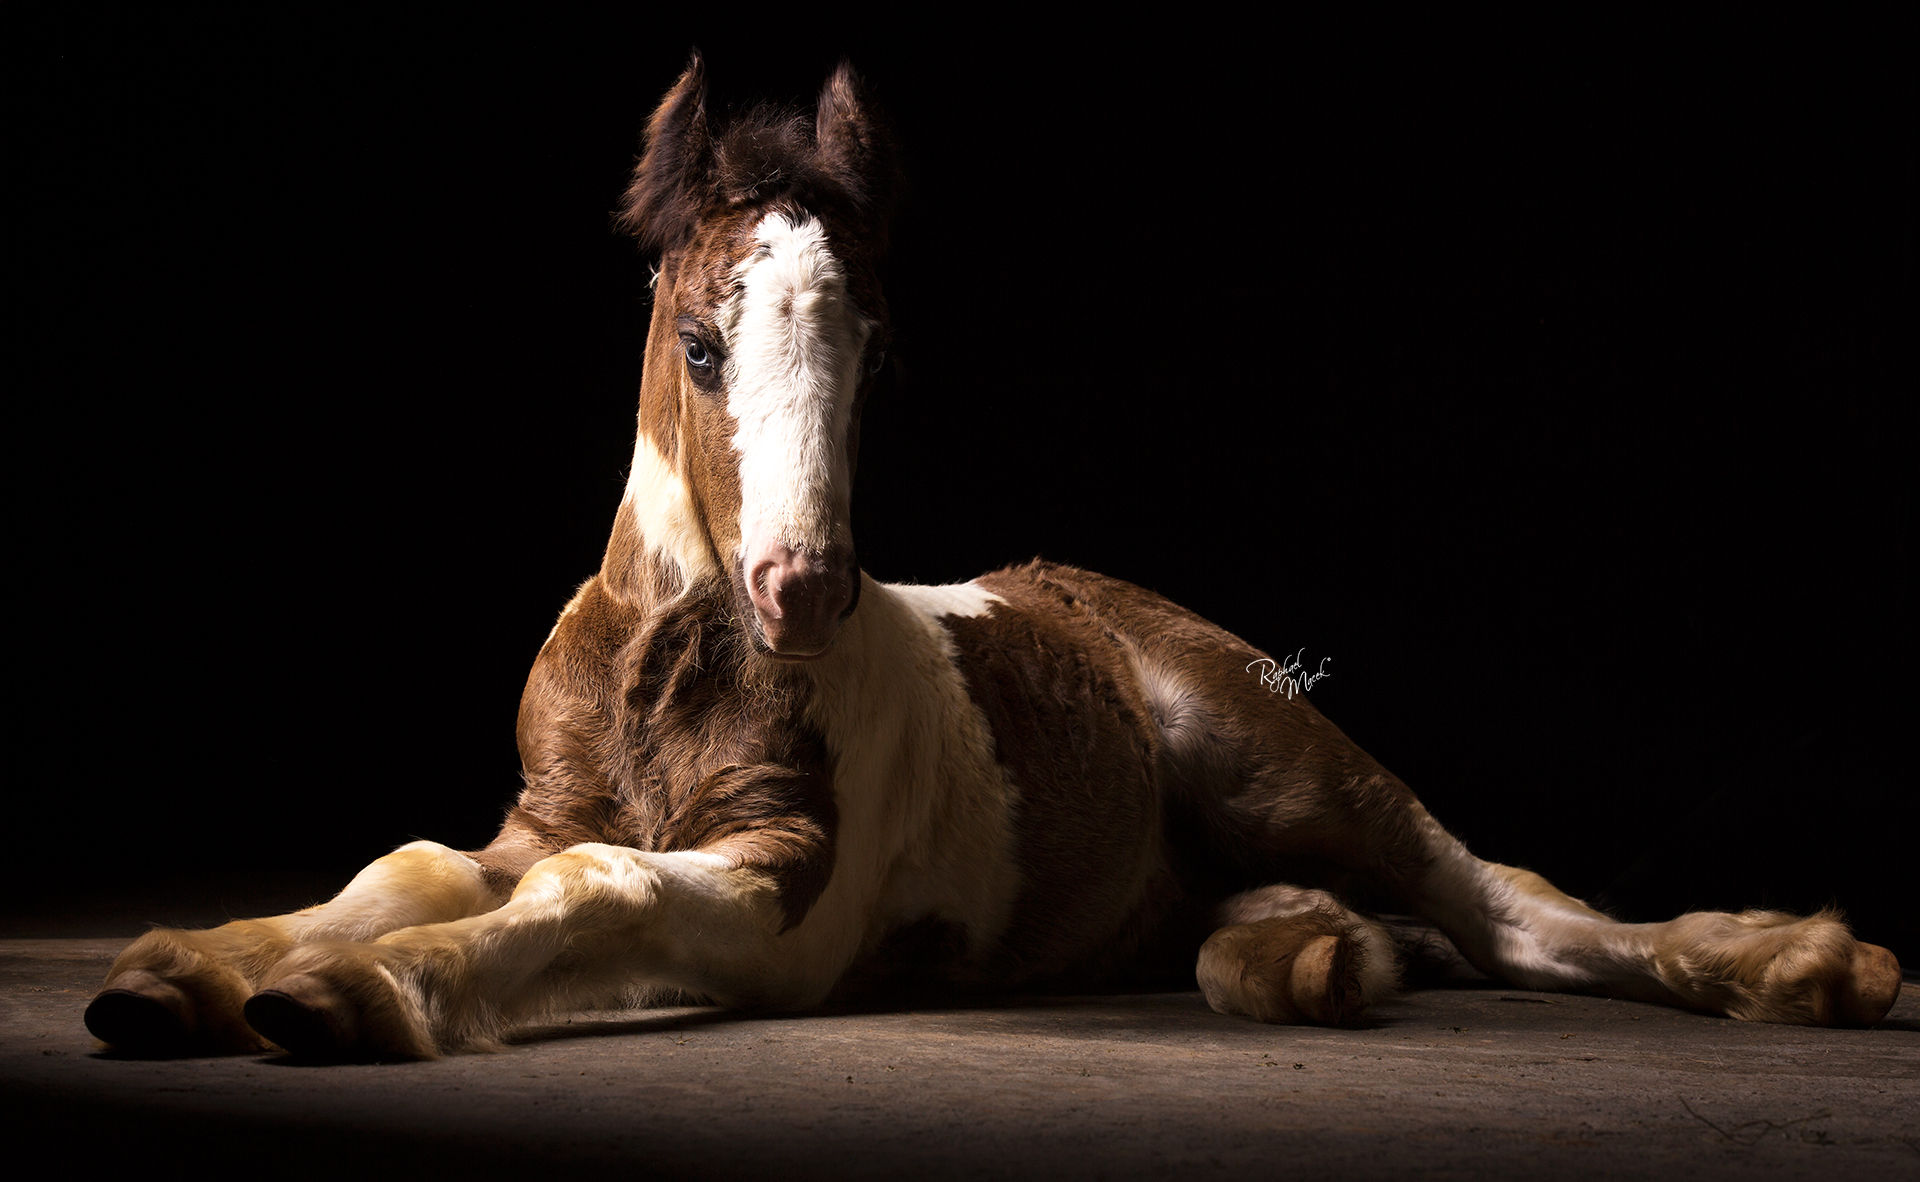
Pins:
<point x="338" y="1009"/>
<point x="145" y="1015"/>
<point x="304" y="1022"/>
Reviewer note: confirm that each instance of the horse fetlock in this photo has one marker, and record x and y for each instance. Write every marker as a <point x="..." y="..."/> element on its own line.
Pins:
<point x="342" y="1002"/>
<point x="1302" y="968"/>
<point x="176" y="993"/>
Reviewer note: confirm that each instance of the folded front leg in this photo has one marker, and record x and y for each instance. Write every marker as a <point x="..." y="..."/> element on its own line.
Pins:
<point x="583" y="928"/>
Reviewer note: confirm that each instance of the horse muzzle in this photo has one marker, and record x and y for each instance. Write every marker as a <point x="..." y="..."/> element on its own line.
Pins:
<point x="800" y="597"/>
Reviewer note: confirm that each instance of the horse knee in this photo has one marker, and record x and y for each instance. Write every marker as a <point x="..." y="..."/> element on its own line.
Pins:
<point x="421" y="882"/>
<point x="589" y="874"/>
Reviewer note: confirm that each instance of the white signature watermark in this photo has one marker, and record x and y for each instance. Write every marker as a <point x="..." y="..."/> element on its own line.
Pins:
<point x="1290" y="678"/>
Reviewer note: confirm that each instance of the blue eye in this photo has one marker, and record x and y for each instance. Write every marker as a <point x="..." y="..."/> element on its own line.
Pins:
<point x="703" y="365"/>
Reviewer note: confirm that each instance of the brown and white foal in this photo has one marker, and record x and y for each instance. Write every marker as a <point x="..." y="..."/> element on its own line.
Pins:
<point x="757" y="777"/>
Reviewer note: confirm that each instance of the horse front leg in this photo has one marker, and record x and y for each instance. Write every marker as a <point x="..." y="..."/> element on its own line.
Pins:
<point x="175" y="991"/>
<point x="582" y="929"/>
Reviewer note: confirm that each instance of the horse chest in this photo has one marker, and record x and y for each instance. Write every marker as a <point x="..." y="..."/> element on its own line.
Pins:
<point x="994" y="775"/>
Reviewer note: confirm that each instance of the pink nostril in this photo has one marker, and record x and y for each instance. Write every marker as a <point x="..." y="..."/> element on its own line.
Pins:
<point x="782" y="590"/>
<point x="761" y="585"/>
<point x="800" y="596"/>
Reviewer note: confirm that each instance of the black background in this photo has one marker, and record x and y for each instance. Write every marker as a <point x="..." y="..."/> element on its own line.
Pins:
<point x="1553" y="382"/>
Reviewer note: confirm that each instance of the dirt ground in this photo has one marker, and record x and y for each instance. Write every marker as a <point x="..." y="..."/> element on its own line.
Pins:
<point x="1469" y="1081"/>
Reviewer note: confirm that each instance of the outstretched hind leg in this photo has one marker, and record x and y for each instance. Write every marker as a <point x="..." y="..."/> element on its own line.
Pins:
<point x="1272" y="786"/>
<point x="183" y="992"/>
<point x="1761" y="966"/>
<point x="1292" y="955"/>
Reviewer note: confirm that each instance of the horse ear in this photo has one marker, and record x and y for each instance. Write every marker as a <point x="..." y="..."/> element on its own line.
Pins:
<point x="674" y="177"/>
<point x="855" y="145"/>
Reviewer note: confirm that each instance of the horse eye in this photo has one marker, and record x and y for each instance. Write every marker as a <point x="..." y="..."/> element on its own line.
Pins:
<point x="697" y="355"/>
<point x="874" y="362"/>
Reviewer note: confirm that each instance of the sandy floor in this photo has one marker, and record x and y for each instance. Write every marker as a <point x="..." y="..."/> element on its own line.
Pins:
<point x="1460" y="1082"/>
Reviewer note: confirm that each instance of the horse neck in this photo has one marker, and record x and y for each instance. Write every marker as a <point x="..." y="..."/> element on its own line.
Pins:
<point x="634" y="571"/>
<point x="661" y="547"/>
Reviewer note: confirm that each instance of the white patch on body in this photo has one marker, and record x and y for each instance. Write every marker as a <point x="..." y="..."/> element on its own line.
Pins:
<point x="953" y="599"/>
<point x="664" y="514"/>
<point x="925" y="811"/>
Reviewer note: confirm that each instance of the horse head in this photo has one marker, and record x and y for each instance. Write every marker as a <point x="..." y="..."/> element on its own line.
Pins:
<point x="768" y="325"/>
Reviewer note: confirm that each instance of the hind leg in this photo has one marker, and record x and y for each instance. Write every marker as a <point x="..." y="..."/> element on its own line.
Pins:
<point x="1264" y="788"/>
<point x="1273" y="786"/>
<point x="1764" y="966"/>
<point x="1514" y="925"/>
<point x="1293" y="955"/>
<point x="182" y="992"/>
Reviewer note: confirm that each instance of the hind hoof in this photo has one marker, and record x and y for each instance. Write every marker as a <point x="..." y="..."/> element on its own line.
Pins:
<point x="1323" y="984"/>
<point x="1871" y="987"/>
<point x="1303" y="968"/>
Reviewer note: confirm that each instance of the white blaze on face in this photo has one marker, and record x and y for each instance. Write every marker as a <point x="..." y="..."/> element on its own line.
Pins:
<point x="794" y="347"/>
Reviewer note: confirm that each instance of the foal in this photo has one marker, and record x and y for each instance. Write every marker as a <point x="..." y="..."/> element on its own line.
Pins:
<point x="757" y="777"/>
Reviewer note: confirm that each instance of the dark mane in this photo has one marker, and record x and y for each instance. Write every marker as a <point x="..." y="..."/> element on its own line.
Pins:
<point x="764" y="154"/>
<point x="839" y="158"/>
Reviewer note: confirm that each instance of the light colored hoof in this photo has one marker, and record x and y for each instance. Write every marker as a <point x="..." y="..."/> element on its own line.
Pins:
<point x="1871" y="987"/>
<point x="1323" y="985"/>
<point x="1305" y="968"/>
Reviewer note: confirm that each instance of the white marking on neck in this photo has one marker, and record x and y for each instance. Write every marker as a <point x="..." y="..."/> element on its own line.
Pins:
<point x="793" y="365"/>
<point x="664" y="513"/>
